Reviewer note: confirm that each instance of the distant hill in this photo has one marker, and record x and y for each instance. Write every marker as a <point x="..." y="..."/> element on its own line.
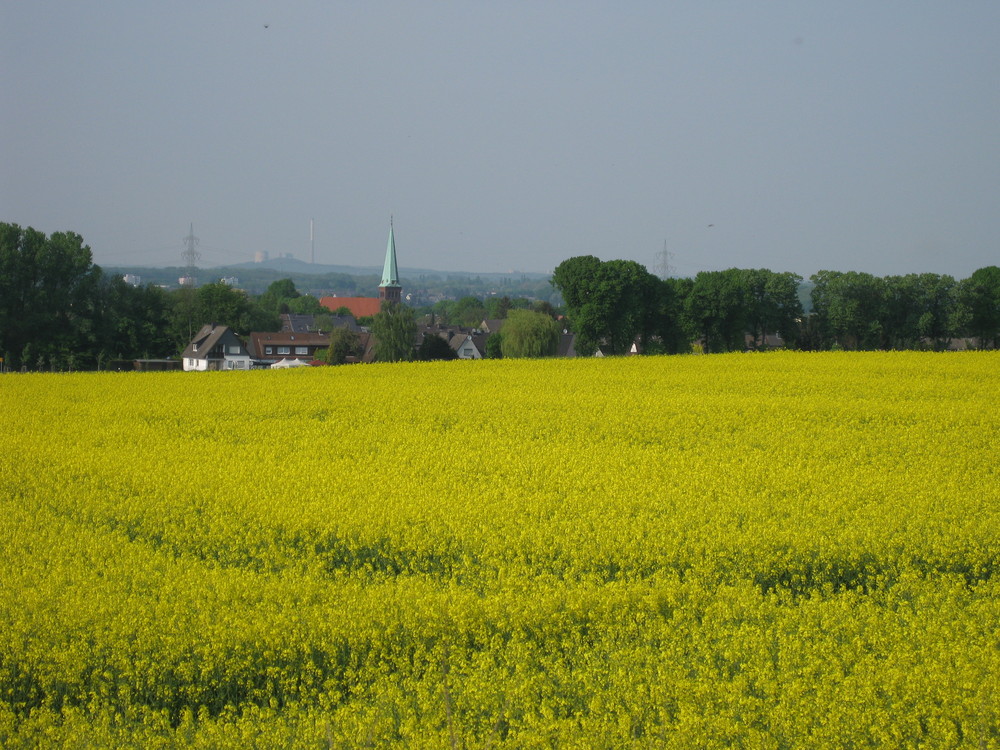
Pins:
<point x="326" y="280"/>
<point x="300" y="267"/>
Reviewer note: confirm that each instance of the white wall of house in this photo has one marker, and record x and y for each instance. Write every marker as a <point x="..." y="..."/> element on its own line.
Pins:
<point x="468" y="350"/>
<point x="230" y="361"/>
<point x="241" y="362"/>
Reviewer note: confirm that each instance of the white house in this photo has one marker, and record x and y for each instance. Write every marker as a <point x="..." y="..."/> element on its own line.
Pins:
<point x="467" y="347"/>
<point x="216" y="348"/>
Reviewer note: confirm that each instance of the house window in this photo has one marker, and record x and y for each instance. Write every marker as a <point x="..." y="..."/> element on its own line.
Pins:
<point x="284" y="350"/>
<point x="467" y="352"/>
<point x="234" y="349"/>
<point x="302" y="350"/>
<point x="268" y="350"/>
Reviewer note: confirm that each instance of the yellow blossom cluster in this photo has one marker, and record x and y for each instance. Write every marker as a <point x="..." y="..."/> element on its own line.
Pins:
<point x="772" y="550"/>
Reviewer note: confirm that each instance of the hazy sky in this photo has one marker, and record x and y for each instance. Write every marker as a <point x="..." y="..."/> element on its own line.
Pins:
<point x="794" y="136"/>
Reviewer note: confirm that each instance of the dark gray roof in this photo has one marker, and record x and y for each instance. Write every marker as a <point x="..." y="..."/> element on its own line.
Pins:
<point x="494" y="325"/>
<point x="208" y="338"/>
<point x="566" y="345"/>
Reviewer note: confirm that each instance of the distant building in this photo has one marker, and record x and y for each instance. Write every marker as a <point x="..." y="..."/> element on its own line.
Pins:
<point x="273" y="347"/>
<point x="132" y="279"/>
<point x="295" y="323"/>
<point x="389" y="289"/>
<point x="360" y="307"/>
<point x="216" y="348"/>
<point x="468" y="345"/>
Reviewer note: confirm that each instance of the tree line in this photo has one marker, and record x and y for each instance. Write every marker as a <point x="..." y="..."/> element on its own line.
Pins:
<point x="60" y="311"/>
<point x="611" y="305"/>
<point x="528" y="331"/>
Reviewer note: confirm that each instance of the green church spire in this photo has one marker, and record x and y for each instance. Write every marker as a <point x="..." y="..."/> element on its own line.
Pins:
<point x="390" y="275"/>
<point x="390" y="290"/>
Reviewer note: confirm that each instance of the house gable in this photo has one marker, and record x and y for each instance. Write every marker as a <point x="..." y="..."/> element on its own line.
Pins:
<point x="465" y="346"/>
<point x="216" y="348"/>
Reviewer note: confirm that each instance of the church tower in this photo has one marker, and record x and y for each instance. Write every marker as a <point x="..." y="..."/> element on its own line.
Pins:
<point x="389" y="289"/>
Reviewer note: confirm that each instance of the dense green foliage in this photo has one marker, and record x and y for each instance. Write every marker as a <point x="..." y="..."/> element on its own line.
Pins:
<point x="435" y="347"/>
<point x="394" y="330"/>
<point x="530" y="334"/>
<point x="611" y="304"/>
<point x="345" y="345"/>
<point x="59" y="311"/>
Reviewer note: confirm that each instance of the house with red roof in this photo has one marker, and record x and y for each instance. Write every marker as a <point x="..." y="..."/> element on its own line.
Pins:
<point x="389" y="289"/>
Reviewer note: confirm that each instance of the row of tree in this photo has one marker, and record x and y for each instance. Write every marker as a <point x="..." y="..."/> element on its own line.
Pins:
<point x="525" y="333"/>
<point x="59" y="311"/>
<point x="918" y="311"/>
<point x="613" y="304"/>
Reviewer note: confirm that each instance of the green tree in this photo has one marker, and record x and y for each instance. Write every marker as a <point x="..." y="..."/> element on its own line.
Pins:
<point x="435" y="347"/>
<point x="468" y="311"/>
<point x="918" y="311"/>
<point x="540" y="305"/>
<point x="494" y="345"/>
<point x="609" y="304"/>
<point x="530" y="334"/>
<point x="220" y="304"/>
<point x="443" y="311"/>
<point x="980" y="297"/>
<point x="130" y="322"/>
<point x="849" y="308"/>
<point x="278" y="295"/>
<point x="281" y="297"/>
<point x="394" y="329"/>
<point x="773" y="304"/>
<point x="671" y="336"/>
<point x="306" y="304"/>
<point x="577" y="280"/>
<point x="49" y="291"/>
<point x="498" y="307"/>
<point x="344" y="344"/>
<point x="59" y="310"/>
<point x="716" y="309"/>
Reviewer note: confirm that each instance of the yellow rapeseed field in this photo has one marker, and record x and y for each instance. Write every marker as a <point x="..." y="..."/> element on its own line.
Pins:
<point x="779" y="550"/>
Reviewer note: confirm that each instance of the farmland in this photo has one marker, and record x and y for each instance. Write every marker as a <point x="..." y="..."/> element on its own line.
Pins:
<point x="771" y="550"/>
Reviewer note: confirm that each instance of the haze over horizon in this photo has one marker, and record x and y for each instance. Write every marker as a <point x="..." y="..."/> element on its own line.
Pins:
<point x="791" y="136"/>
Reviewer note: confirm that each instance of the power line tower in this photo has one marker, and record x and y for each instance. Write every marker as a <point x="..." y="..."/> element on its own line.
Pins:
<point x="664" y="262"/>
<point x="190" y="256"/>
